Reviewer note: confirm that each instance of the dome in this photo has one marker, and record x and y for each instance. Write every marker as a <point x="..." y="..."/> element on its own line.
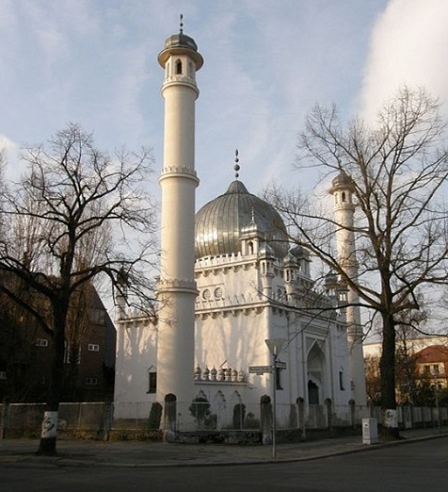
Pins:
<point x="341" y="181"/>
<point x="181" y="40"/>
<point x="221" y="222"/>
<point x="180" y="44"/>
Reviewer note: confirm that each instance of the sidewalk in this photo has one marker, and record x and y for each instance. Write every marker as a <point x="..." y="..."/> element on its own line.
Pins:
<point x="147" y="454"/>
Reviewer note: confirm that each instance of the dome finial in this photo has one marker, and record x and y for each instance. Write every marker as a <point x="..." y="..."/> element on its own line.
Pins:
<point x="236" y="167"/>
<point x="181" y="24"/>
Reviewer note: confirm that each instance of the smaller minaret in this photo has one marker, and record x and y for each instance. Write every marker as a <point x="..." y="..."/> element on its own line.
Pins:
<point x="290" y="270"/>
<point x="344" y="209"/>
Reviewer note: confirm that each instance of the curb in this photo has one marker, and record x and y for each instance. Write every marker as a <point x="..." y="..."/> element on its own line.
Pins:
<point x="61" y="461"/>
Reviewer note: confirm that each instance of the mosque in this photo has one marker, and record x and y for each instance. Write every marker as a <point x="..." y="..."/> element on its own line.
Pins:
<point x="239" y="317"/>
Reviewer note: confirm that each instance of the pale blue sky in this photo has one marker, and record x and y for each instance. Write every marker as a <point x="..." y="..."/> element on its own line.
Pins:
<point x="266" y="63"/>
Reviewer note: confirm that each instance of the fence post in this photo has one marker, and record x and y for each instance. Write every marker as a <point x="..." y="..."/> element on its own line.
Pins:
<point x="301" y="421"/>
<point x="352" y="409"/>
<point x="266" y="419"/>
<point x="5" y="417"/>
<point x="106" y="424"/>
<point x="328" y="406"/>
<point x="170" y="418"/>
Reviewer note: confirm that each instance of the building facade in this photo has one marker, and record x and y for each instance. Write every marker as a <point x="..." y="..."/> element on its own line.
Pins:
<point x="26" y="352"/>
<point x="230" y="281"/>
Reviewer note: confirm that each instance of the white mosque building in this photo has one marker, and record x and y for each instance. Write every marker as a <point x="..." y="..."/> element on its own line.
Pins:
<point x="229" y="281"/>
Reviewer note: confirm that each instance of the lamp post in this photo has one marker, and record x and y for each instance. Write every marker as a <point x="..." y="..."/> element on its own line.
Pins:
<point x="436" y="394"/>
<point x="275" y="345"/>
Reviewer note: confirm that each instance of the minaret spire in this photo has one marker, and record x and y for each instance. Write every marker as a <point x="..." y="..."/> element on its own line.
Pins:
<point x="177" y="288"/>
<point x="236" y="167"/>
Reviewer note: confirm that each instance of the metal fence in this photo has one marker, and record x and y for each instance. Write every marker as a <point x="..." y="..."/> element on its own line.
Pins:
<point x="97" y="420"/>
<point x="25" y="419"/>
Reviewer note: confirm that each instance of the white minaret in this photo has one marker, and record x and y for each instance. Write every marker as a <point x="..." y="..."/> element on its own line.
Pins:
<point x="177" y="287"/>
<point x="344" y="210"/>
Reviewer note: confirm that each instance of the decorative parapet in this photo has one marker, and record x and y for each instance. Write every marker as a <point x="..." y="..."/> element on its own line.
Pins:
<point x="226" y="262"/>
<point x="181" y="80"/>
<point x="138" y="321"/>
<point x="220" y="375"/>
<point x="177" y="284"/>
<point x="183" y="170"/>
<point x="205" y="302"/>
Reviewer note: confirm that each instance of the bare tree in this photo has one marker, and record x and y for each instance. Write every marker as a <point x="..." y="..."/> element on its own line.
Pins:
<point x="76" y="215"/>
<point x="395" y="169"/>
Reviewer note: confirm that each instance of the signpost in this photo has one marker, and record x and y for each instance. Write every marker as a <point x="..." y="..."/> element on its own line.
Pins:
<point x="275" y="346"/>
<point x="259" y="369"/>
<point x="264" y="369"/>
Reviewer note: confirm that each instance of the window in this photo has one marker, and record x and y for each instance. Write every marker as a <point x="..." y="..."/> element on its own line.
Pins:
<point x="93" y="347"/>
<point x="97" y="316"/>
<point x="91" y="381"/>
<point x="41" y="342"/>
<point x="152" y="382"/>
<point x="218" y="293"/>
<point x="341" y="381"/>
<point x="435" y="370"/>
<point x="2" y="374"/>
<point x="178" y="67"/>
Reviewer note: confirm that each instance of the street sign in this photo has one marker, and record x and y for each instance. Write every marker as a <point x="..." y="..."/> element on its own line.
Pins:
<point x="280" y="365"/>
<point x="259" y="369"/>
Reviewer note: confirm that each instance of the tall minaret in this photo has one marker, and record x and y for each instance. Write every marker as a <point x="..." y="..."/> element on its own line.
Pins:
<point x="344" y="209"/>
<point x="177" y="287"/>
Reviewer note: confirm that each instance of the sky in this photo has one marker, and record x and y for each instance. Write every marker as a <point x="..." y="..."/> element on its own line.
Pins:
<point x="266" y="64"/>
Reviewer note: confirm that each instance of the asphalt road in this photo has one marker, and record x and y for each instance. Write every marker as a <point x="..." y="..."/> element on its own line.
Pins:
<point x="413" y="467"/>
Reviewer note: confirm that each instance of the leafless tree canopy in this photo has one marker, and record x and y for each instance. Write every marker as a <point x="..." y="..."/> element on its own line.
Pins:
<point x="76" y="215"/>
<point x="397" y="167"/>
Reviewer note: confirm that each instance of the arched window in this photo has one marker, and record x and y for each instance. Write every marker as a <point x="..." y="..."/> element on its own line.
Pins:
<point x="178" y="67"/>
<point x="343" y="196"/>
<point x="152" y="380"/>
<point x="313" y="393"/>
<point x="251" y="248"/>
<point x="341" y="380"/>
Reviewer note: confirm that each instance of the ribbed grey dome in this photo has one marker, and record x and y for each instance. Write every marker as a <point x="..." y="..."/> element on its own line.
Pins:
<point x="219" y="223"/>
<point x="179" y="44"/>
<point x="342" y="180"/>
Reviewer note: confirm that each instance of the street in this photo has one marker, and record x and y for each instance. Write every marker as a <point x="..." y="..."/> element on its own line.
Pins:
<point x="411" y="467"/>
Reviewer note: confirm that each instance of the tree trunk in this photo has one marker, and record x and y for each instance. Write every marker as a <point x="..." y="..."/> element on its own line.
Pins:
<point x="47" y="444"/>
<point x="387" y="370"/>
